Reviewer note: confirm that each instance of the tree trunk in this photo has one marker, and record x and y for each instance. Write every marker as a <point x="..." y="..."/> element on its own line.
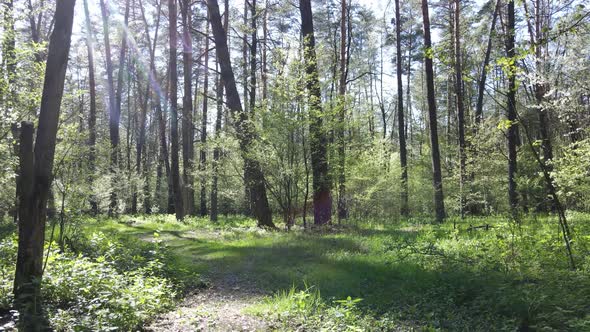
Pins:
<point x="245" y="129"/>
<point x="175" y="167"/>
<point x="484" y="72"/>
<point x="342" y="210"/>
<point x="217" y="150"/>
<point x="403" y="155"/>
<point x="38" y="166"/>
<point x="322" y="198"/>
<point x="203" y="152"/>
<point x="439" y="205"/>
<point x="152" y="95"/>
<point x="512" y="134"/>
<point x="92" y="114"/>
<point x="112" y="109"/>
<point x="188" y="153"/>
<point x="247" y="191"/>
<point x="460" y="105"/>
<point x="264" y="75"/>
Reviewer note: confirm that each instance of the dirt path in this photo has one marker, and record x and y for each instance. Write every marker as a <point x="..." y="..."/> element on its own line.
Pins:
<point x="218" y="308"/>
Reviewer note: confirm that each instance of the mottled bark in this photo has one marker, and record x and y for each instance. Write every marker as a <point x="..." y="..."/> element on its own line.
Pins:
<point x="188" y="154"/>
<point x="403" y="155"/>
<point x="439" y="206"/>
<point x="173" y="77"/>
<point x="204" y="116"/>
<point x="459" y="102"/>
<point x="36" y="168"/>
<point x="218" y="121"/>
<point x="92" y="111"/>
<point x="322" y="197"/>
<point x="512" y="134"/>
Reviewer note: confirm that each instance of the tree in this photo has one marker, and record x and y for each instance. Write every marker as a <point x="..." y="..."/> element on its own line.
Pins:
<point x="403" y="155"/>
<point x="112" y="109"/>
<point x="342" y="211"/>
<point x="460" y="103"/>
<point x="322" y="197"/>
<point x="217" y="150"/>
<point x="92" y="113"/>
<point x="150" y="77"/>
<point x="512" y="134"/>
<point x="36" y="169"/>
<point x="203" y="154"/>
<point x="245" y="129"/>
<point x="187" y="109"/>
<point x="114" y="96"/>
<point x="439" y="206"/>
<point x="173" y="75"/>
<point x="484" y="68"/>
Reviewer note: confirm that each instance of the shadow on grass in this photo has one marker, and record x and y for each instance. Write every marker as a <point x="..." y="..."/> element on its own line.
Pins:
<point x="351" y="263"/>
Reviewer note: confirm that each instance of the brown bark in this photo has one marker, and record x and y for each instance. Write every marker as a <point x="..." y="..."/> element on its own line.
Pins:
<point x="342" y="210"/>
<point x="403" y="155"/>
<point x="484" y="72"/>
<point x="264" y="76"/>
<point x="153" y="96"/>
<point x="188" y="154"/>
<point x="37" y="167"/>
<point x="322" y="197"/>
<point x="203" y="152"/>
<point x="217" y="150"/>
<point x="92" y="113"/>
<point x="512" y="134"/>
<point x="460" y="104"/>
<point x="173" y="75"/>
<point x="245" y="130"/>
<point x="439" y="206"/>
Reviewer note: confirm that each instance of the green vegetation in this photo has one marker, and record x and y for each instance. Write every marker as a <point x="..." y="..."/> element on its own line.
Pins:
<point x="339" y="165"/>
<point x="377" y="275"/>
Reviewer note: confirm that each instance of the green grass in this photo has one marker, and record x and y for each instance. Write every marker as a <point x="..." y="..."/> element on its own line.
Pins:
<point x="410" y="274"/>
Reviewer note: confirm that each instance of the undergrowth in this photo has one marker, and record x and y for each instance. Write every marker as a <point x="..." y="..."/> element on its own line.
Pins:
<point x="366" y="275"/>
<point x="101" y="282"/>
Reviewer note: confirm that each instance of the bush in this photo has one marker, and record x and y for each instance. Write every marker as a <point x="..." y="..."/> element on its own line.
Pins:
<point x="116" y="288"/>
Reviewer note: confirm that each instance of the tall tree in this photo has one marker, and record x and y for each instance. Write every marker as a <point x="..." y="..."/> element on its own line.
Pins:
<point x="342" y="210"/>
<point x="512" y="125"/>
<point x="112" y="109"/>
<point x="187" y="109"/>
<point x="92" y="113"/>
<point x="245" y="130"/>
<point x="203" y="154"/>
<point x="403" y="155"/>
<point x="217" y="150"/>
<point x="459" y="102"/>
<point x="481" y="83"/>
<point x="538" y="27"/>
<point x="247" y="191"/>
<point x="322" y="197"/>
<point x="37" y="168"/>
<point x="151" y="78"/>
<point x="439" y="205"/>
<point x="173" y="78"/>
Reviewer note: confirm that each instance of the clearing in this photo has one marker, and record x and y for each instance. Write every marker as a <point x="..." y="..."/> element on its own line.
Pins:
<point x="410" y="276"/>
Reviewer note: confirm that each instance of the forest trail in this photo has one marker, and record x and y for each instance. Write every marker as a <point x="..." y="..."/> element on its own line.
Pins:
<point x="220" y="305"/>
<point x="218" y="308"/>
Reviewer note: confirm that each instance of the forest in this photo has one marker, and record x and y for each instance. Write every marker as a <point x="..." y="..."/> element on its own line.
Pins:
<point x="294" y="165"/>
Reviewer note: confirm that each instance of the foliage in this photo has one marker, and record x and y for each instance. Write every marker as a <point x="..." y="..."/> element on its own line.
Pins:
<point x="99" y="283"/>
<point x="410" y="274"/>
<point x="297" y="310"/>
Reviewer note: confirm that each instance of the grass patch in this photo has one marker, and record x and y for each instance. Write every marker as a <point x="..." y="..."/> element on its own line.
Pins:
<point x="409" y="275"/>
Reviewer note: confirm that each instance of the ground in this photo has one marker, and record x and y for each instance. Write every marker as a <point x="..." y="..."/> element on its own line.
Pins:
<point x="406" y="276"/>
